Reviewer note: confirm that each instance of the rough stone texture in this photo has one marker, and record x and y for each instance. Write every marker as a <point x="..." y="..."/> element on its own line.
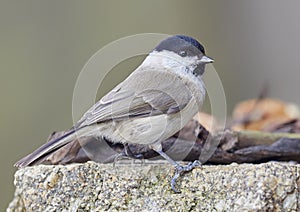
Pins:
<point x="135" y="187"/>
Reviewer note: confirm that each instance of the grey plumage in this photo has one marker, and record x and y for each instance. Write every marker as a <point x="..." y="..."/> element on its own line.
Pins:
<point x="151" y="105"/>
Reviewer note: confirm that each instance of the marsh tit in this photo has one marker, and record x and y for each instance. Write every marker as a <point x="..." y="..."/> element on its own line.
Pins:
<point x="153" y="103"/>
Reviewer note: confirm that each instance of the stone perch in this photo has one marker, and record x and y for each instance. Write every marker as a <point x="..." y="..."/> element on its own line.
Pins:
<point x="134" y="187"/>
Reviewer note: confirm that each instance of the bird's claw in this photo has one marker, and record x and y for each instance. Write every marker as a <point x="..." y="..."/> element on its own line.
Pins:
<point x="180" y="170"/>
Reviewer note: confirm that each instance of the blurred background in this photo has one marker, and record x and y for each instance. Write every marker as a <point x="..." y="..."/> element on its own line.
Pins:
<point x="45" y="44"/>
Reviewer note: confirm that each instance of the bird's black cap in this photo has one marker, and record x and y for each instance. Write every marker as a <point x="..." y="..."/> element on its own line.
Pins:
<point x="192" y="41"/>
<point x="178" y="43"/>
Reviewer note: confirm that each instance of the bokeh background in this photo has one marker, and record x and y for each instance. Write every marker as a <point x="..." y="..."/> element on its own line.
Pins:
<point x="45" y="44"/>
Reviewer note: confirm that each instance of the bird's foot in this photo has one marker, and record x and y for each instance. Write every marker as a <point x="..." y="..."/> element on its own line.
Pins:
<point x="180" y="169"/>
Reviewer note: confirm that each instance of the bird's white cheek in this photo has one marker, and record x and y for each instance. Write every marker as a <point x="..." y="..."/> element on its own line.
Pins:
<point x="171" y="64"/>
<point x="181" y="64"/>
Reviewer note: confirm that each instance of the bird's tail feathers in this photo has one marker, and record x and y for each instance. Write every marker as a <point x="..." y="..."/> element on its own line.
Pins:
<point x="47" y="148"/>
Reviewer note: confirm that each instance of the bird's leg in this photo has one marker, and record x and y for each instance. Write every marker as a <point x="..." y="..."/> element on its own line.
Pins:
<point x="179" y="169"/>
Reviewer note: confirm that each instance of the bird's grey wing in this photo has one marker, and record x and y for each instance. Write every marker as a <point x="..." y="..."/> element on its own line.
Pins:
<point x="160" y="93"/>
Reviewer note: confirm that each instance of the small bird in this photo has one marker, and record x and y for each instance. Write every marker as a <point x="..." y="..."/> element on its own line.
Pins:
<point x="153" y="103"/>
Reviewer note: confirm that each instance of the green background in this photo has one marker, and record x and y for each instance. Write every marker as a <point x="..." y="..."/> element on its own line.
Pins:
<point x="45" y="44"/>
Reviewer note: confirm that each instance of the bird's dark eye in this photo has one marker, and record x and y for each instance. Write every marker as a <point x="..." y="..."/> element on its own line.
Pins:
<point x="182" y="53"/>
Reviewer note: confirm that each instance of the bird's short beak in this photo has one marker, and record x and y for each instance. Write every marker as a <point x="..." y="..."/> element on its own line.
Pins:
<point x="206" y="59"/>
